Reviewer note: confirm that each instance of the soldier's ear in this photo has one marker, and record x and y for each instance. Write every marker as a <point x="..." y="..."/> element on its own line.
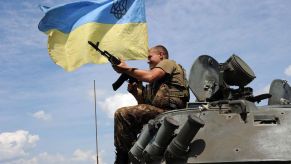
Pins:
<point x="162" y="55"/>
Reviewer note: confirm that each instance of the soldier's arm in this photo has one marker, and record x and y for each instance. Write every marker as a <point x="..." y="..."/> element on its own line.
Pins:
<point x="141" y="75"/>
<point x="146" y="76"/>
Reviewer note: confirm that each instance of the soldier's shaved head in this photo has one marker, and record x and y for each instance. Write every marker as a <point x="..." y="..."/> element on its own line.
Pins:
<point x="162" y="49"/>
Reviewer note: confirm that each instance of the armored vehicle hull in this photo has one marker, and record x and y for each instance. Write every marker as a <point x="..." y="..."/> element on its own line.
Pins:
<point x="224" y="125"/>
<point x="264" y="135"/>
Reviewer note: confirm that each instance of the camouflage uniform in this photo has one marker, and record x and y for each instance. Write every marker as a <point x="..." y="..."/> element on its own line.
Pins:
<point x="169" y="93"/>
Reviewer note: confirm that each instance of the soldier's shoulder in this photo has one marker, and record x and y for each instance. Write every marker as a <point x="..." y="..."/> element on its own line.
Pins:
<point x="169" y="61"/>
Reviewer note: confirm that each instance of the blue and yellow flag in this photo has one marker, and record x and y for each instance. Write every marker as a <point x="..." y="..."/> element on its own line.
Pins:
<point x="119" y="26"/>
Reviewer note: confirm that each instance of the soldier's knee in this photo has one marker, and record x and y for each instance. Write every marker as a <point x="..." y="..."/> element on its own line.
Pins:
<point x="118" y="113"/>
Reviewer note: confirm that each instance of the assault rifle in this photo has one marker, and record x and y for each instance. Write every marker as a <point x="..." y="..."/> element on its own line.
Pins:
<point x="114" y="61"/>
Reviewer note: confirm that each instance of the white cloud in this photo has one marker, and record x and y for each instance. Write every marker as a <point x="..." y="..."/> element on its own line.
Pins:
<point x="100" y="157"/>
<point x="116" y="101"/>
<point x="288" y="71"/>
<point x="16" y="144"/>
<point x="42" y="158"/>
<point x="78" y="157"/>
<point x="88" y="156"/>
<point x="41" y="115"/>
<point x="81" y="155"/>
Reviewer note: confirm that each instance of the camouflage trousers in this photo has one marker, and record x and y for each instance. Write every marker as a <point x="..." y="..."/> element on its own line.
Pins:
<point x="128" y="122"/>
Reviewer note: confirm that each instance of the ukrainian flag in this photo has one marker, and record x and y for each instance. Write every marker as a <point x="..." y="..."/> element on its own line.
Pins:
<point x="119" y="26"/>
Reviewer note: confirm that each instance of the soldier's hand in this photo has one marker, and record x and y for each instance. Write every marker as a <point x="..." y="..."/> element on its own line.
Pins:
<point x="132" y="88"/>
<point x="136" y="89"/>
<point x="121" y="68"/>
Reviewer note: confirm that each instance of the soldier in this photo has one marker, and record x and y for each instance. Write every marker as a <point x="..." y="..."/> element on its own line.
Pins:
<point x="167" y="90"/>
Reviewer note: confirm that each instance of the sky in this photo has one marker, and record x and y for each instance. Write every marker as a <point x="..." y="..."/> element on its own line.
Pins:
<point x="47" y="114"/>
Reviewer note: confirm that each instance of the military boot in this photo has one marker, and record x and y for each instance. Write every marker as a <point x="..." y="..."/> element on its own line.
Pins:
<point x="121" y="157"/>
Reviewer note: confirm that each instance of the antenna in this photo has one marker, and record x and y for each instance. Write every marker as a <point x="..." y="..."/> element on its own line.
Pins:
<point x="97" y="160"/>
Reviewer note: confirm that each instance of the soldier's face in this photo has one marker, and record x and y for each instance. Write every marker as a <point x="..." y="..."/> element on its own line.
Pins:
<point x="154" y="57"/>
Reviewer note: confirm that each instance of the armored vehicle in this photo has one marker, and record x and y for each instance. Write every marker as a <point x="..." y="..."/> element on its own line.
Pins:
<point x="224" y="124"/>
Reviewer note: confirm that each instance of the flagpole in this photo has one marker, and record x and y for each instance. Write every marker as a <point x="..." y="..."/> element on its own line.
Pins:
<point x="97" y="161"/>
